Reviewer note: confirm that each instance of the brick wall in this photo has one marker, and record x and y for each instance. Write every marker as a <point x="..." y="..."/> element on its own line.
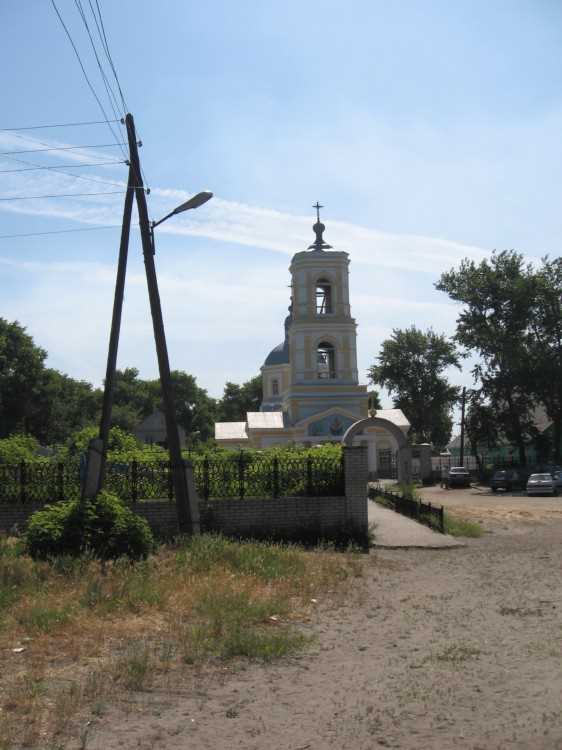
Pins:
<point x="290" y="518"/>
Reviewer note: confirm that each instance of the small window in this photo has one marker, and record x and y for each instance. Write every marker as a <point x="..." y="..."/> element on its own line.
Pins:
<point x="326" y="361"/>
<point x="323" y="297"/>
<point x="274" y="387"/>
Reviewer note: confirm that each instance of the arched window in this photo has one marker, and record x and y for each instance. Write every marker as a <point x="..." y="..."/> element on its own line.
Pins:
<point x="323" y="297"/>
<point x="326" y="360"/>
<point x="274" y="387"/>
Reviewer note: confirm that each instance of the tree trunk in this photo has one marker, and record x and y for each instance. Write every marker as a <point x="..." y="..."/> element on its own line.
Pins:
<point x="557" y="435"/>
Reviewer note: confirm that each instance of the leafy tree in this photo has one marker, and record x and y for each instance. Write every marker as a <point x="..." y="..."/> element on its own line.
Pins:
<point x="238" y="400"/>
<point x="497" y="295"/>
<point x="21" y="370"/>
<point x="481" y="426"/>
<point x="411" y="365"/>
<point x="545" y="347"/>
<point x="119" y="440"/>
<point x="63" y="405"/>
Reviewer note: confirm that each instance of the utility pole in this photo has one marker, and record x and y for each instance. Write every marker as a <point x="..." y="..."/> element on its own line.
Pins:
<point x="185" y="520"/>
<point x="97" y="449"/>
<point x="463" y="403"/>
<point x="109" y="385"/>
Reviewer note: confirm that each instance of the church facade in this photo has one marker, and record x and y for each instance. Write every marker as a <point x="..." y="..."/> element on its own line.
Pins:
<point x="311" y="390"/>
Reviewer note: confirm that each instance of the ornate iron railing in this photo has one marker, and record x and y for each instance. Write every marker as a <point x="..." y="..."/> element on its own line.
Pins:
<point x="236" y="476"/>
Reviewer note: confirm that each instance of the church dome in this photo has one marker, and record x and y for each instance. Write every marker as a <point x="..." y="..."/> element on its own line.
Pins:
<point x="279" y="355"/>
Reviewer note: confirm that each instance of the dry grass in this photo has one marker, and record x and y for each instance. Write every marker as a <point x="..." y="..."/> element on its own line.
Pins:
<point x="75" y="633"/>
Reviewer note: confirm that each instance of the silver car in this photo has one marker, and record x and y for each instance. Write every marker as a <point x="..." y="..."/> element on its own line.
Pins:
<point x="541" y="484"/>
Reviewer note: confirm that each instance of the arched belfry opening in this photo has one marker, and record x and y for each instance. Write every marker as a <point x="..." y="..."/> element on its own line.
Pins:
<point x="326" y="361"/>
<point x="323" y="297"/>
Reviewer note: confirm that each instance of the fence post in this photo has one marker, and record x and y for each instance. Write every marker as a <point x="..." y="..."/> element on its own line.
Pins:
<point x="134" y="481"/>
<point x="275" y="476"/>
<point x="60" y="481"/>
<point x="442" y="519"/>
<point x="309" y="476"/>
<point x="206" y="478"/>
<point x="22" y="481"/>
<point x="241" y="475"/>
<point x="170" y="481"/>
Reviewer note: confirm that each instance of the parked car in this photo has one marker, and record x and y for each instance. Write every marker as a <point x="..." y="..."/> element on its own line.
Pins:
<point x="541" y="484"/>
<point x="507" y="479"/>
<point x="557" y="476"/>
<point x="459" y="477"/>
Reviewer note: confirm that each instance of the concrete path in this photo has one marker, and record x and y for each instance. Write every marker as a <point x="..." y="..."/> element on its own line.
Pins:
<point x="393" y="531"/>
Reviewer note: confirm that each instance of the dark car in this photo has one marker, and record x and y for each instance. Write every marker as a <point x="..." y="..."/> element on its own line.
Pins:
<point x="459" y="477"/>
<point x="508" y="479"/>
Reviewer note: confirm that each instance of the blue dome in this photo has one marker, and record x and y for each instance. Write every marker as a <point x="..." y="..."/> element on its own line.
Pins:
<point x="279" y="355"/>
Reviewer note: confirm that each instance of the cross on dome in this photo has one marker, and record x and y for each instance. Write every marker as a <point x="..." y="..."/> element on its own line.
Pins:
<point x="319" y="229"/>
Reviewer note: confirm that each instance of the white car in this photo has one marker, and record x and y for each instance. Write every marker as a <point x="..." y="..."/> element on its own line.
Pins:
<point x="541" y="484"/>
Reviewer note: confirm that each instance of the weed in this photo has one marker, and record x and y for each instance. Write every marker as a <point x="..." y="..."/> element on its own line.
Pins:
<point x="133" y="669"/>
<point x="456" y="653"/>
<point x="43" y="619"/>
<point x="460" y="527"/>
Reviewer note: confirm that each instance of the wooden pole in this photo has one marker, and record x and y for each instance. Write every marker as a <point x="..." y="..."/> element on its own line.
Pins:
<point x="185" y="521"/>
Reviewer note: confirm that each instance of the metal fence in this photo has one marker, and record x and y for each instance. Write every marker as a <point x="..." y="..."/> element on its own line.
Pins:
<point x="426" y="513"/>
<point x="237" y="476"/>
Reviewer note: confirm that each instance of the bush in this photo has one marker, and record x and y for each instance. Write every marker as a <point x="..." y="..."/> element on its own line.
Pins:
<point x="104" y="527"/>
<point x="18" y="448"/>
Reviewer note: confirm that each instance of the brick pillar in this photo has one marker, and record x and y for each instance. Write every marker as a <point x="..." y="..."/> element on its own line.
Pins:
<point x="356" y="477"/>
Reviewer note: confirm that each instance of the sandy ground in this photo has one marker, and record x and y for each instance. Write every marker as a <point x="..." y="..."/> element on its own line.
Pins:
<point x="434" y="649"/>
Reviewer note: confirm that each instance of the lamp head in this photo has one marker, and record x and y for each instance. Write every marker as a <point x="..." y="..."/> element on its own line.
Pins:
<point x="194" y="202"/>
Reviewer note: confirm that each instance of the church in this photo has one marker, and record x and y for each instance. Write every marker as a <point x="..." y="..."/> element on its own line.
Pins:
<point x="311" y="390"/>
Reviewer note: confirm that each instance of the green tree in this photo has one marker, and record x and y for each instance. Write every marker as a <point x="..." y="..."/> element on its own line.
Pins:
<point x="412" y="365"/>
<point x="544" y="343"/>
<point x="497" y="297"/>
<point x="481" y="426"/>
<point x="21" y="372"/>
<point x="238" y="400"/>
<point x="63" y="405"/>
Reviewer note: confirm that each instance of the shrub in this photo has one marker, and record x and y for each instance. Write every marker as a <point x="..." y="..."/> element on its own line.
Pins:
<point x="104" y="527"/>
<point x="18" y="448"/>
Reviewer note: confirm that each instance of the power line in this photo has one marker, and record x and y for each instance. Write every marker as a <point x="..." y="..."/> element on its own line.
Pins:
<point x="92" y="89"/>
<point x="62" y="148"/>
<point x="58" y="231"/>
<point x="35" y="167"/>
<point x="108" y="88"/>
<point x="108" y="54"/>
<point x="59" y="125"/>
<point x="59" y="195"/>
<point x="57" y="166"/>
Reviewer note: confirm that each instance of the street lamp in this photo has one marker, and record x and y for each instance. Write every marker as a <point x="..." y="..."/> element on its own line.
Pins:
<point x="194" y="202"/>
<point x="187" y="510"/>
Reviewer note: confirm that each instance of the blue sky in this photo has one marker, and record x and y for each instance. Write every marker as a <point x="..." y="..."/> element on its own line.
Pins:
<point x="430" y="131"/>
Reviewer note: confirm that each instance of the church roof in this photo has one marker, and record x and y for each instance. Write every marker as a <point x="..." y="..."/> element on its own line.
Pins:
<point x="265" y="420"/>
<point x="396" y="416"/>
<point x="230" y="431"/>
<point x="279" y="355"/>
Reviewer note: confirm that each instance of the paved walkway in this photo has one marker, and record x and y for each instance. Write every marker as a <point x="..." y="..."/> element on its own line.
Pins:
<point x="395" y="531"/>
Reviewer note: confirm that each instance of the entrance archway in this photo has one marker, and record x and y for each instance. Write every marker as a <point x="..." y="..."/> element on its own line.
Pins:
<point x="365" y="428"/>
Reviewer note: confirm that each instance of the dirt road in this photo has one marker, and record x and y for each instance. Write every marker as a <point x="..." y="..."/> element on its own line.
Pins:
<point x="434" y="650"/>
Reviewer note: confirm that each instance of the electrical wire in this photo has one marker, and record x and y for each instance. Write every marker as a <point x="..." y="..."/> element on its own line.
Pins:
<point x="59" y="195"/>
<point x="58" y="231"/>
<point x="61" y="148"/>
<point x="91" y="87"/>
<point x="108" y="53"/>
<point x="59" y="125"/>
<point x="108" y="88"/>
<point x="61" y="171"/>
<point x="56" y="167"/>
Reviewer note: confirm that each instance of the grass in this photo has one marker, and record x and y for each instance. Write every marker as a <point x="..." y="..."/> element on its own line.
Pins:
<point x="76" y="634"/>
<point x="461" y="527"/>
